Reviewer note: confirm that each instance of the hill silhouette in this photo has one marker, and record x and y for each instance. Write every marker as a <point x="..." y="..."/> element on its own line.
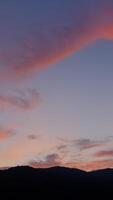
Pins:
<point x="56" y="182"/>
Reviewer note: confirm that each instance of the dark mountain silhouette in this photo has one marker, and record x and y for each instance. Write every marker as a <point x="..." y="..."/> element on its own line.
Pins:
<point x="56" y="182"/>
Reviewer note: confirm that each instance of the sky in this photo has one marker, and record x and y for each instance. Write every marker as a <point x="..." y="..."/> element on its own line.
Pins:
<point x="56" y="83"/>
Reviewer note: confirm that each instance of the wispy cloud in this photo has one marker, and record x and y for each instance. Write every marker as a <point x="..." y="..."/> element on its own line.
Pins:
<point x="27" y="100"/>
<point x="84" y="144"/>
<point x="104" y="153"/>
<point x="61" y="147"/>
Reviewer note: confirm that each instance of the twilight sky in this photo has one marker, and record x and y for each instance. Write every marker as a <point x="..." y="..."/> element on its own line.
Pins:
<point x="56" y="83"/>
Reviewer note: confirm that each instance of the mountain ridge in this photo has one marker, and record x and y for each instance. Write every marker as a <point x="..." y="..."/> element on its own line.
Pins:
<point x="57" y="166"/>
<point x="61" y="181"/>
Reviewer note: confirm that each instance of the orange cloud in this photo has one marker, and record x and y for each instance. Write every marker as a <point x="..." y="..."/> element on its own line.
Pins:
<point x="22" y="100"/>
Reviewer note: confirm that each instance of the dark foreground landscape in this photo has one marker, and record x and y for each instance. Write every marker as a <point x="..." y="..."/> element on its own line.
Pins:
<point x="56" y="182"/>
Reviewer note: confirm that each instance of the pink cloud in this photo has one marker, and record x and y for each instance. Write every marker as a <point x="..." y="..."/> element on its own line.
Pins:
<point x="44" y="48"/>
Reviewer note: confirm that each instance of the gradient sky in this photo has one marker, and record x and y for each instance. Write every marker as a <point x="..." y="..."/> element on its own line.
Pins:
<point x="56" y="83"/>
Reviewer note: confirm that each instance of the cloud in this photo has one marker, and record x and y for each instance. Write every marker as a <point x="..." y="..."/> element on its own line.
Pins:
<point x="104" y="153"/>
<point x="50" y="160"/>
<point x="6" y="133"/>
<point x="85" y="144"/>
<point x="52" y="43"/>
<point x="82" y="143"/>
<point x="27" y="100"/>
<point x="33" y="137"/>
<point x="68" y="153"/>
<point x="54" y="159"/>
<point x="61" y="147"/>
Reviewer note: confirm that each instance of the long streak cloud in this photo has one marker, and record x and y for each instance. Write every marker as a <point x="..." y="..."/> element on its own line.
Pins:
<point x="63" y="37"/>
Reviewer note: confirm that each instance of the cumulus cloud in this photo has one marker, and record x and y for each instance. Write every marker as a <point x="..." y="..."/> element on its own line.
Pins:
<point x="6" y="133"/>
<point x="50" y="44"/>
<point x="27" y="100"/>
